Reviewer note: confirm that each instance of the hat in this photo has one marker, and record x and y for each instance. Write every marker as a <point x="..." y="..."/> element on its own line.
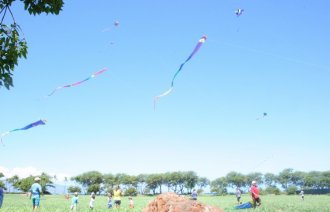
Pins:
<point x="37" y="179"/>
<point x="254" y="182"/>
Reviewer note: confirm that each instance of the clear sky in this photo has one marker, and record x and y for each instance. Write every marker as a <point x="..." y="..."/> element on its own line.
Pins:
<point x="272" y="59"/>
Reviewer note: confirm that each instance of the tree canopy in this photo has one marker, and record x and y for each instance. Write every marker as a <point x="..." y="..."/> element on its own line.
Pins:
<point x="12" y="41"/>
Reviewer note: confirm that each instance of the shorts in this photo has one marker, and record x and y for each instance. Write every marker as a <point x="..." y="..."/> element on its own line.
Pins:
<point x="73" y="207"/>
<point x="35" y="201"/>
<point x="117" y="202"/>
<point x="255" y="201"/>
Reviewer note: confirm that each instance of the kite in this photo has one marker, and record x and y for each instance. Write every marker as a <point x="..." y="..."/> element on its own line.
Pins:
<point x="78" y="83"/>
<point x="199" y="44"/>
<point x="239" y="12"/>
<point x="263" y="115"/>
<point x="115" y="23"/>
<point x="37" y="123"/>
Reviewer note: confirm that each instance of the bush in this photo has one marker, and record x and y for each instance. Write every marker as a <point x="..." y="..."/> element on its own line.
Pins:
<point x="272" y="190"/>
<point x="291" y="190"/>
<point x="131" y="191"/>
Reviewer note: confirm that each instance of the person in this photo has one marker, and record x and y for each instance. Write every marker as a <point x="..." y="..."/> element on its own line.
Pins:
<point x="194" y="195"/>
<point x="238" y="195"/>
<point x="255" y="194"/>
<point x="109" y="200"/>
<point x="35" y="192"/>
<point x="67" y="196"/>
<point x="302" y="194"/>
<point x="91" y="202"/>
<point x="74" y="202"/>
<point x="131" y="203"/>
<point x="1" y="196"/>
<point x="117" y="196"/>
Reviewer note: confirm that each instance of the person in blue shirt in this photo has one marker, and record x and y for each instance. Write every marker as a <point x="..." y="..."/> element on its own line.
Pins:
<point x="74" y="202"/>
<point x="35" y="192"/>
<point x="1" y="196"/>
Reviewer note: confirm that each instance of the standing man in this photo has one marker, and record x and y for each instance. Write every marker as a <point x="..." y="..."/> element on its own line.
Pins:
<point x="255" y="194"/>
<point x="35" y="192"/>
<point x="117" y="196"/>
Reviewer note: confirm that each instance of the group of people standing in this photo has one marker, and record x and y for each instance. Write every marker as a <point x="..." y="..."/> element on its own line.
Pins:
<point x="117" y="194"/>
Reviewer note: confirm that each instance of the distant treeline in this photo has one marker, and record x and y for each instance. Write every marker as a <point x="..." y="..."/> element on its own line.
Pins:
<point x="183" y="182"/>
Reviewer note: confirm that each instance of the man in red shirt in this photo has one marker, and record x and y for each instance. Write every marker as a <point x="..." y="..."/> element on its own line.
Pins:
<point x="255" y="194"/>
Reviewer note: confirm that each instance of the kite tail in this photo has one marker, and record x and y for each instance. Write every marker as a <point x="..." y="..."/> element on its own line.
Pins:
<point x="3" y="135"/>
<point x="56" y="89"/>
<point x="161" y="95"/>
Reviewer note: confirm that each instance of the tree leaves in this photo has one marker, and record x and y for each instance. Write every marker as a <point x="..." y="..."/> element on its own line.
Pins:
<point x="39" y="6"/>
<point x="12" y="47"/>
<point x="13" y="44"/>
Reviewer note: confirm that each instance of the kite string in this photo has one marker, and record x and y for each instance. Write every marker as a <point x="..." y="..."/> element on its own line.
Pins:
<point x="274" y="55"/>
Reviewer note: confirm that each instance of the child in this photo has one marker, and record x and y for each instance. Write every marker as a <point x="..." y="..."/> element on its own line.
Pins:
<point x="91" y="202"/>
<point x="74" y="202"/>
<point x="302" y="194"/>
<point x="109" y="200"/>
<point x="131" y="203"/>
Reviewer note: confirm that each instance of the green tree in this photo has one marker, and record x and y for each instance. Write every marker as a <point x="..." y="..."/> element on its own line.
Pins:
<point x="141" y="179"/>
<point x="257" y="176"/>
<point x="155" y="181"/>
<point x="291" y="190"/>
<point x="88" y="179"/>
<point x="2" y="185"/>
<point x="12" y="42"/>
<point x="96" y="188"/>
<point x="235" y="179"/>
<point x="73" y="189"/>
<point x="219" y="185"/>
<point x="285" y="177"/>
<point x="25" y="183"/>
<point x="270" y="179"/>
<point x="13" y="181"/>
<point x="191" y="180"/>
<point x="109" y="181"/>
<point x="203" y="182"/>
<point x="131" y="191"/>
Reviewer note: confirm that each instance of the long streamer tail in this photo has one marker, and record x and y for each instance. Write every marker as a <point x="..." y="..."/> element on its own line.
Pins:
<point x="77" y="83"/>
<point x="197" y="47"/>
<point x="3" y="135"/>
<point x="161" y="95"/>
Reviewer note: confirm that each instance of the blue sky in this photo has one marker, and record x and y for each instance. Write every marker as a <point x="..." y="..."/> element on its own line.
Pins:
<point x="274" y="58"/>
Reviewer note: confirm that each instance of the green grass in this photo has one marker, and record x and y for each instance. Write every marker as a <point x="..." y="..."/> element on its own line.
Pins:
<point x="270" y="203"/>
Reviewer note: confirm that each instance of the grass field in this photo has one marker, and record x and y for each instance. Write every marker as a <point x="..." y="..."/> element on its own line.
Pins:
<point x="281" y="203"/>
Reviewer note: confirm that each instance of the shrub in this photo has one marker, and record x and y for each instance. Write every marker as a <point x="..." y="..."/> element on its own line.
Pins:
<point x="131" y="191"/>
<point x="291" y="190"/>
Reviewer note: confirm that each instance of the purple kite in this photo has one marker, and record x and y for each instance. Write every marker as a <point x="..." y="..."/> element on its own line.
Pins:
<point x="37" y="123"/>
<point x="199" y="44"/>
<point x="78" y="83"/>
